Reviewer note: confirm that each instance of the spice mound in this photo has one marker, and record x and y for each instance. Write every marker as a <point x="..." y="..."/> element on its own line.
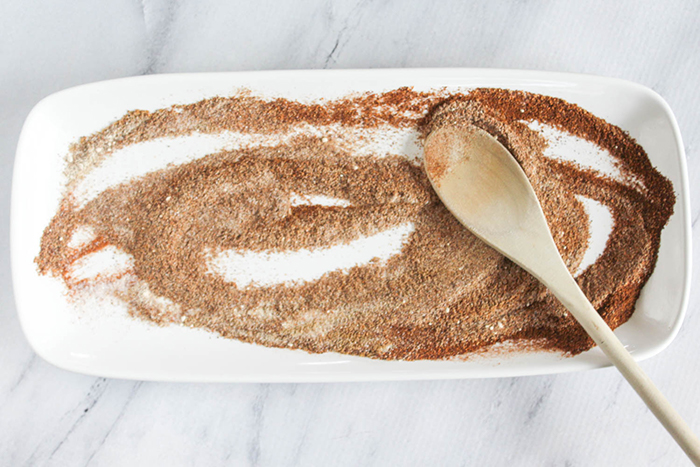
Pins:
<point x="313" y="225"/>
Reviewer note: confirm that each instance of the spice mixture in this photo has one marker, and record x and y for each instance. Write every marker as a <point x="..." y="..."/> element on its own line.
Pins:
<point x="444" y="294"/>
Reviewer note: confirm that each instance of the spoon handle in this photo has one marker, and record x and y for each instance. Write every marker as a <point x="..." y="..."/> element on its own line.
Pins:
<point x="565" y="288"/>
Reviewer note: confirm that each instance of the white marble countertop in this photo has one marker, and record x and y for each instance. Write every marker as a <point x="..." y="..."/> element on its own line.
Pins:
<point x="53" y="417"/>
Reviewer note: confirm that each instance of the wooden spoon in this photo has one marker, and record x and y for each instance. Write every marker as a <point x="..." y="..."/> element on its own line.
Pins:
<point x="483" y="185"/>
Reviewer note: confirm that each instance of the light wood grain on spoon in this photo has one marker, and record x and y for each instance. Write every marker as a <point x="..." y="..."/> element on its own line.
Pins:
<point x="483" y="185"/>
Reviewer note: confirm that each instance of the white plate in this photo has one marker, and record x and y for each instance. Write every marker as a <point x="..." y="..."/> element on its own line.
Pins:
<point x="104" y="341"/>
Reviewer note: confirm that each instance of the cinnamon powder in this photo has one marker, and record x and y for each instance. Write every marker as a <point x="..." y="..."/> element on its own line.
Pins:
<point x="446" y="294"/>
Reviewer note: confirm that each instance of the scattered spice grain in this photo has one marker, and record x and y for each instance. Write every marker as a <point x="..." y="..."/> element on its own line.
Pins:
<point x="445" y="295"/>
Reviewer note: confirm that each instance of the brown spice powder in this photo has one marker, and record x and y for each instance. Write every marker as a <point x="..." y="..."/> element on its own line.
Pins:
<point x="446" y="294"/>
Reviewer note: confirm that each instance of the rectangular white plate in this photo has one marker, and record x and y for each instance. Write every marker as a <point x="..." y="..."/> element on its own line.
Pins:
<point x="106" y="342"/>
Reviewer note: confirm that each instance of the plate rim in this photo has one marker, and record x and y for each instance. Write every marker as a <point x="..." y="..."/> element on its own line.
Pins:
<point x="682" y="207"/>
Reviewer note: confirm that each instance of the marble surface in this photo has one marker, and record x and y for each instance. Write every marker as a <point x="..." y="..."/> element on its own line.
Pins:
<point x="52" y="417"/>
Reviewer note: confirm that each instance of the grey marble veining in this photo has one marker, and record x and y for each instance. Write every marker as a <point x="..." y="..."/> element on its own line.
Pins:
<point x="52" y="417"/>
